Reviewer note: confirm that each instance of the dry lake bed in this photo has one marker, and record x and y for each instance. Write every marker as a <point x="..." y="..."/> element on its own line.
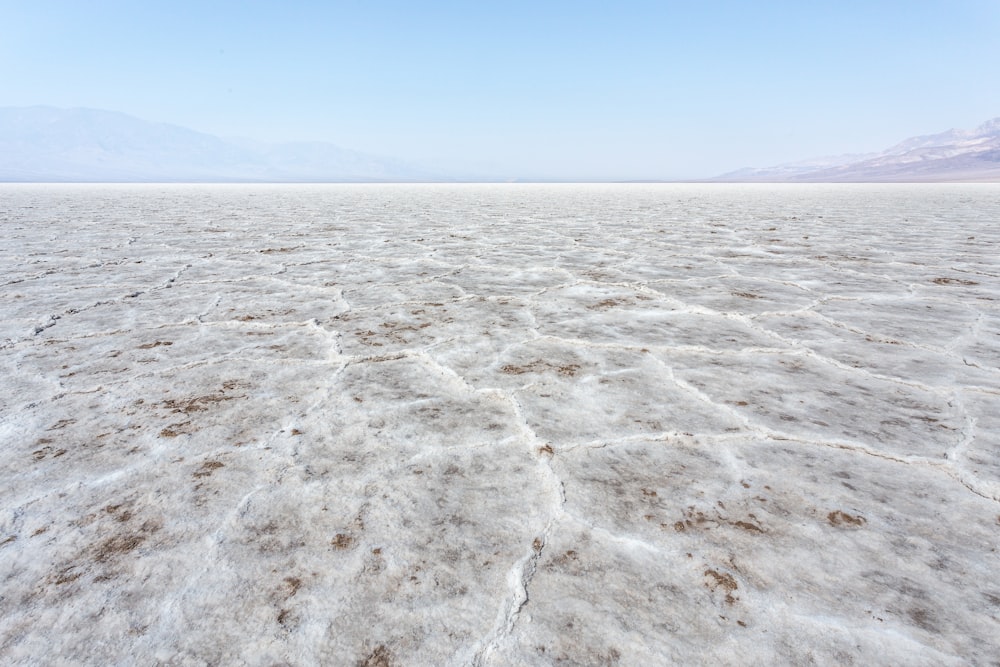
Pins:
<point x="500" y="425"/>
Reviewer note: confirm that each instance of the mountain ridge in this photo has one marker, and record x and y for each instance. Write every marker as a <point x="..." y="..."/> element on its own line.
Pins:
<point x="952" y="155"/>
<point x="48" y="144"/>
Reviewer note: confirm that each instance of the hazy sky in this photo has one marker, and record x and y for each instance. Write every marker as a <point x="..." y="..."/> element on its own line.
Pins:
<point x="560" y="89"/>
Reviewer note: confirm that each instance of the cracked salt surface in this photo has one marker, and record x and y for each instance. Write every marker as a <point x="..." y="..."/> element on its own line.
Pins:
<point x="495" y="425"/>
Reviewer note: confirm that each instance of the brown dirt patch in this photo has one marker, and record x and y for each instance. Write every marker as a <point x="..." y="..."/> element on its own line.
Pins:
<point x="540" y="366"/>
<point x="722" y="580"/>
<point x="953" y="281"/>
<point x="845" y="520"/>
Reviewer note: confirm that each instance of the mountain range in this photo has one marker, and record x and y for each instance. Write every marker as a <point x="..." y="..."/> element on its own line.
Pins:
<point x="47" y="144"/>
<point x="954" y="155"/>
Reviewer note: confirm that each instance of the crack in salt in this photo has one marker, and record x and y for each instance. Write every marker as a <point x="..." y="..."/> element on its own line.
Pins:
<point x="523" y="571"/>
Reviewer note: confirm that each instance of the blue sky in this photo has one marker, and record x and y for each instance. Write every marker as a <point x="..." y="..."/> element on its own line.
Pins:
<point x="553" y="89"/>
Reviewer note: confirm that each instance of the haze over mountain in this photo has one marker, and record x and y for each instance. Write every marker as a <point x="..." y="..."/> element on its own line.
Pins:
<point x="954" y="155"/>
<point x="47" y="144"/>
<point x="90" y="145"/>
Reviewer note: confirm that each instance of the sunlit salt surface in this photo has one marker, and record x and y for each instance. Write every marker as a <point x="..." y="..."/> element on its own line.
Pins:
<point x="500" y="425"/>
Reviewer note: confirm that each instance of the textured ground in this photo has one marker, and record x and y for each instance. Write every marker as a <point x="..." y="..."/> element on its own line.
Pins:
<point x="500" y="425"/>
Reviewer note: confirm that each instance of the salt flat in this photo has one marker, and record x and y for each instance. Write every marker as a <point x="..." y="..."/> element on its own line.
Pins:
<point x="500" y="425"/>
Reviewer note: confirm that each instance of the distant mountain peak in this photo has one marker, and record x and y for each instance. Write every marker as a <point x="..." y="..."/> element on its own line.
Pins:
<point x="952" y="155"/>
<point x="990" y="128"/>
<point x="42" y="143"/>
